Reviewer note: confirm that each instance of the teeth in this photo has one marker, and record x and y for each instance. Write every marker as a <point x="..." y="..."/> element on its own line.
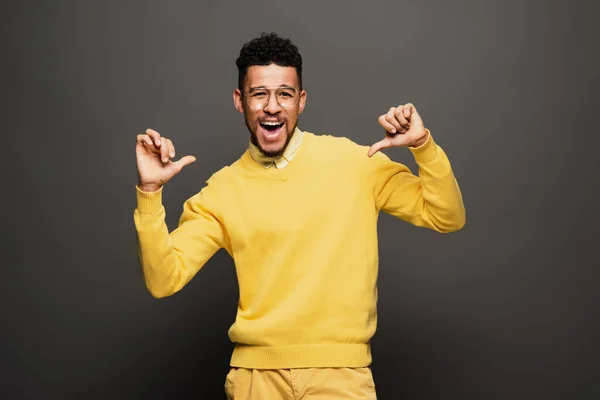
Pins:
<point x="272" y="123"/>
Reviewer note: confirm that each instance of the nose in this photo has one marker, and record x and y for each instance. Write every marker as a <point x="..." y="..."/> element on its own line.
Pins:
<point x="272" y="106"/>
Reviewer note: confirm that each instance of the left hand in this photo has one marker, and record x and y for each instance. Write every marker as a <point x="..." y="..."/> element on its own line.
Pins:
<point x="403" y="127"/>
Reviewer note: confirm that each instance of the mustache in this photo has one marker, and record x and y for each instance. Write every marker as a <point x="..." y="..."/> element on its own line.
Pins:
<point x="278" y="120"/>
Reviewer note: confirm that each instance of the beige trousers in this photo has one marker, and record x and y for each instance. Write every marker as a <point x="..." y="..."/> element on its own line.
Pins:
<point x="300" y="383"/>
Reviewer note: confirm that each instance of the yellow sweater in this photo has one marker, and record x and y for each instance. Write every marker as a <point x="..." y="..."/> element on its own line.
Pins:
<point x="304" y="242"/>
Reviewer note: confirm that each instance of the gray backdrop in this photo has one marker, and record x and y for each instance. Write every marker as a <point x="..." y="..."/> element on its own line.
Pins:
<point x="507" y="308"/>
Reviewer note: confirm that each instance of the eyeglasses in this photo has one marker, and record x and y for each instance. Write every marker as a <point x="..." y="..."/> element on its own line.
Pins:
<point x="258" y="98"/>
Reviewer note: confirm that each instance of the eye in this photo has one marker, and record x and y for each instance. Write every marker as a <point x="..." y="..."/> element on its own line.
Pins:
<point x="258" y="94"/>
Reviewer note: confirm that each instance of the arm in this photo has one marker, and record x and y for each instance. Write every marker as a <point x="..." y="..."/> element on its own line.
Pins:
<point x="170" y="261"/>
<point x="432" y="199"/>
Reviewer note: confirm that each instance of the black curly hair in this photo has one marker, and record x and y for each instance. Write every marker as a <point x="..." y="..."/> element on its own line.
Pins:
<point x="267" y="49"/>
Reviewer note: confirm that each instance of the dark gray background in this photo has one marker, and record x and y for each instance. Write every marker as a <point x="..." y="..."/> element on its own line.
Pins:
<point x="507" y="308"/>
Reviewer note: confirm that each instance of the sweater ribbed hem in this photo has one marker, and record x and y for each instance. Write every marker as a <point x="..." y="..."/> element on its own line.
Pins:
<point x="149" y="202"/>
<point x="426" y="152"/>
<point x="302" y="356"/>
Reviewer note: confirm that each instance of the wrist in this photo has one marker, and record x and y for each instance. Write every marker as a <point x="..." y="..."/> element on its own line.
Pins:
<point x="421" y="141"/>
<point x="148" y="188"/>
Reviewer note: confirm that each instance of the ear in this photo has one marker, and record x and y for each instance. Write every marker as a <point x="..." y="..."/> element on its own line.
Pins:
<point x="237" y="100"/>
<point x="302" y="102"/>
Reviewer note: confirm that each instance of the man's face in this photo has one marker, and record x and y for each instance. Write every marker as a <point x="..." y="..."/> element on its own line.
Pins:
<point x="272" y="126"/>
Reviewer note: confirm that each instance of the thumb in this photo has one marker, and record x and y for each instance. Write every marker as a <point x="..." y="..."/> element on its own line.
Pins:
<point x="382" y="144"/>
<point x="183" y="161"/>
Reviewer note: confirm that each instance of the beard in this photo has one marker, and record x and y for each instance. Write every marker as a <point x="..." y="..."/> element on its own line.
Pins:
<point x="273" y="153"/>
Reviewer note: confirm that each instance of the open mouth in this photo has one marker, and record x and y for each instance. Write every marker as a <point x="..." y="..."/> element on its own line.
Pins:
<point x="271" y="130"/>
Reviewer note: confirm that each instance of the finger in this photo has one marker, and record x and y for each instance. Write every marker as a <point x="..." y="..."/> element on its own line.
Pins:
<point x="391" y="118"/>
<point x="386" y="125"/>
<point x="171" y="148"/>
<point x="154" y="135"/>
<point x="183" y="161"/>
<point x="164" y="150"/>
<point x="400" y="116"/>
<point x="382" y="144"/>
<point x="409" y="110"/>
<point x="144" y="140"/>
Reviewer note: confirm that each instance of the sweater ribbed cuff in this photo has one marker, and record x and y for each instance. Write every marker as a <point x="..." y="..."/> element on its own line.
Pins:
<point x="149" y="202"/>
<point x="427" y="151"/>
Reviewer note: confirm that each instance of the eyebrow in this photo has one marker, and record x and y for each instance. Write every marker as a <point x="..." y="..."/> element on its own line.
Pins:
<point x="265" y="87"/>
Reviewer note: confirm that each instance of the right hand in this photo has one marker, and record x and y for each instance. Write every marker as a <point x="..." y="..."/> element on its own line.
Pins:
<point x="154" y="165"/>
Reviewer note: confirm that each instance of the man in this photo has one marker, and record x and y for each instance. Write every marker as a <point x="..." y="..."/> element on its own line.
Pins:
<point x="298" y="214"/>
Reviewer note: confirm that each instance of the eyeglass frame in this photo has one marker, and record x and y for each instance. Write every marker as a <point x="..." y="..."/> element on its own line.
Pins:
<point x="270" y="90"/>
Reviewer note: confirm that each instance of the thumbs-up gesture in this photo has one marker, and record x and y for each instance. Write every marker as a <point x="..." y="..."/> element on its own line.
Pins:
<point x="153" y="156"/>
<point x="403" y="127"/>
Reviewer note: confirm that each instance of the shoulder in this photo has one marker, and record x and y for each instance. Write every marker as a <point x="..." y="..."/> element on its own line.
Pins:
<point x="341" y="150"/>
<point x="211" y="191"/>
<point x="215" y="183"/>
<point x="340" y="145"/>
